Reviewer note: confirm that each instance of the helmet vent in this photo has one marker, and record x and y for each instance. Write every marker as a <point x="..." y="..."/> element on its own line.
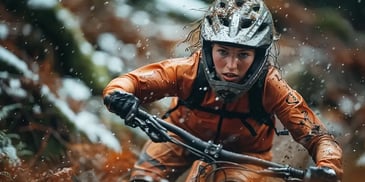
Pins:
<point x="239" y="3"/>
<point x="256" y="8"/>
<point x="209" y="18"/>
<point x="224" y="21"/>
<point x="262" y="27"/>
<point x="245" y="23"/>
<point x="222" y="5"/>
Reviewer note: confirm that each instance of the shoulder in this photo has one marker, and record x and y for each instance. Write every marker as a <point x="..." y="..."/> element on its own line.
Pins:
<point x="275" y="84"/>
<point x="273" y="74"/>
<point x="186" y="73"/>
<point x="274" y="77"/>
<point x="186" y="61"/>
<point x="170" y="66"/>
<point x="183" y="65"/>
<point x="276" y="90"/>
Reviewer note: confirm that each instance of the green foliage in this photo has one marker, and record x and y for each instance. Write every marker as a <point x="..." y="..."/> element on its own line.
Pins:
<point x="353" y="10"/>
<point x="331" y="21"/>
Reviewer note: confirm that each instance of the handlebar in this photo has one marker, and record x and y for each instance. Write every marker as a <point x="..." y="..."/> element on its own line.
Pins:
<point x="157" y="128"/>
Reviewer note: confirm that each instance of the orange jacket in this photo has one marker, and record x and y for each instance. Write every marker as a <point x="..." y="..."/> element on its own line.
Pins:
<point x="174" y="77"/>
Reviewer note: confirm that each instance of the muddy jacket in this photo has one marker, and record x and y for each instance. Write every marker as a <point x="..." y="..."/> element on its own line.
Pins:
<point x="175" y="77"/>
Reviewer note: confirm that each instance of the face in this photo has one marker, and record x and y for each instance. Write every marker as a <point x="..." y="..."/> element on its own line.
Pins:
<point x="232" y="63"/>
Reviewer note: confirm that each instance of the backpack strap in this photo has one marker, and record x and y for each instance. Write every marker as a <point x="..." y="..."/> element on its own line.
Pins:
<point x="196" y="97"/>
<point x="199" y="89"/>
<point x="255" y="100"/>
<point x="201" y="86"/>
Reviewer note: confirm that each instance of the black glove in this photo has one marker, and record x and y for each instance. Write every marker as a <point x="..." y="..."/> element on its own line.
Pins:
<point x="320" y="174"/>
<point x="123" y="104"/>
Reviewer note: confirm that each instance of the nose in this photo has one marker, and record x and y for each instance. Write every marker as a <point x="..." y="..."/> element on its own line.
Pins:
<point x="232" y="62"/>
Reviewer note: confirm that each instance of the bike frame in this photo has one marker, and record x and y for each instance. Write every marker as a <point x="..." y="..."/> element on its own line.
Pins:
<point x="157" y="129"/>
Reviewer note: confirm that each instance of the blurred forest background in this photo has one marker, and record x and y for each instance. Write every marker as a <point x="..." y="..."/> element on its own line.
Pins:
<point x="56" y="56"/>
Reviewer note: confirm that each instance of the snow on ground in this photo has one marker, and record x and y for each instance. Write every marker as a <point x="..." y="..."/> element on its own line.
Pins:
<point x="85" y="121"/>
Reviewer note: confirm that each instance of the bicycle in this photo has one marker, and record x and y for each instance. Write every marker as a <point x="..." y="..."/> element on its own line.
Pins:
<point x="210" y="153"/>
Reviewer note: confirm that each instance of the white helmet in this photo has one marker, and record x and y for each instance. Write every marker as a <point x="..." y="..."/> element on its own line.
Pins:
<point x="245" y="23"/>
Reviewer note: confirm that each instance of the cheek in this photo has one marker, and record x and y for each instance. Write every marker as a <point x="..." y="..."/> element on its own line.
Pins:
<point x="246" y="64"/>
<point x="243" y="68"/>
<point x="218" y="64"/>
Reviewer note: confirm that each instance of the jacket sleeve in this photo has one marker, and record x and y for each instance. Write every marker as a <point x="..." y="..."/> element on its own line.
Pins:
<point x="304" y="126"/>
<point x="152" y="82"/>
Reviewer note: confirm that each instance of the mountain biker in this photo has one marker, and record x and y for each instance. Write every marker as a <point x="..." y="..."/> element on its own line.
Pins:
<point x="237" y="39"/>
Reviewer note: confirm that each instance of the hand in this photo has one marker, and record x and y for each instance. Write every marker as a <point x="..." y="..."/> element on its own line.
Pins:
<point x="320" y="174"/>
<point x="123" y="104"/>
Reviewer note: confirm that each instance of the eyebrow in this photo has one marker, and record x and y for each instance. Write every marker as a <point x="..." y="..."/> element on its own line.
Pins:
<point x="240" y="48"/>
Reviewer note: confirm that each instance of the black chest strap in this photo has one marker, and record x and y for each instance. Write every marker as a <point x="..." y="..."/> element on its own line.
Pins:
<point x="257" y="112"/>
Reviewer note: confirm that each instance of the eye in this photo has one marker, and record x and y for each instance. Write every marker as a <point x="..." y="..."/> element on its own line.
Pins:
<point x="243" y="55"/>
<point x="222" y="52"/>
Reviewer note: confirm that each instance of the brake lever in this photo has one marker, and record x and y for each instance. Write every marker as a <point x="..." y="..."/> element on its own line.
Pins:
<point x="153" y="129"/>
<point x="287" y="172"/>
<point x="130" y="117"/>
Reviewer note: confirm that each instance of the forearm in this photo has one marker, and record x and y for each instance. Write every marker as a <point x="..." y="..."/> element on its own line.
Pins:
<point x="327" y="153"/>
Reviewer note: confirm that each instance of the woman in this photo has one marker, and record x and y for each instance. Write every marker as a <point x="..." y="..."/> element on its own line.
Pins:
<point x="237" y="38"/>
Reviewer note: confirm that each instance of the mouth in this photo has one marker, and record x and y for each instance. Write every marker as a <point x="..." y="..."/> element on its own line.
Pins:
<point x="231" y="77"/>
